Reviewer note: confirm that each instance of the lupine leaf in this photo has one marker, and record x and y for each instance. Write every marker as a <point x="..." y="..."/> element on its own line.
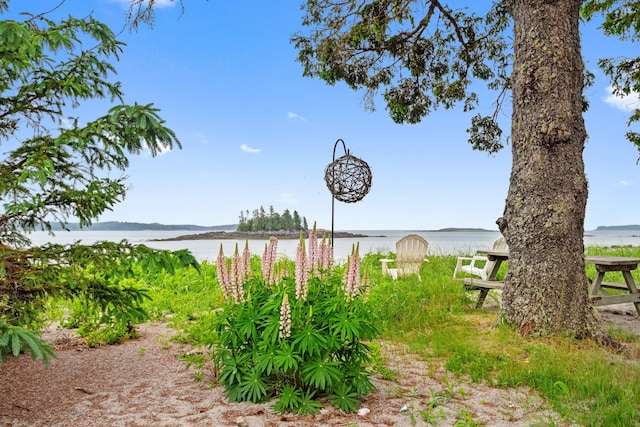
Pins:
<point x="321" y="374"/>
<point x="253" y="387"/>
<point x="309" y="341"/>
<point x="290" y="400"/>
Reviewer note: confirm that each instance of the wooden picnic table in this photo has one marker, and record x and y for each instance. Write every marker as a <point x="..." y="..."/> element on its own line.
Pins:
<point x="597" y="292"/>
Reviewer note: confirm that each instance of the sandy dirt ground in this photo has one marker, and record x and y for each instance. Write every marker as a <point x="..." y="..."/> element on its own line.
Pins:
<point x="143" y="382"/>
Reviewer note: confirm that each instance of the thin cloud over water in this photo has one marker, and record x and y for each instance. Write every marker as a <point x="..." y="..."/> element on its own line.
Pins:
<point x="247" y="149"/>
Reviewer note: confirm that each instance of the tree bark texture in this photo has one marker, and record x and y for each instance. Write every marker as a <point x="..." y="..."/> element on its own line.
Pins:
<point x="546" y="285"/>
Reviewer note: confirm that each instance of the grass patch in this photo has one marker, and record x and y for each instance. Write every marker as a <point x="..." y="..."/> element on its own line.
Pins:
<point x="435" y="319"/>
<point x="583" y="382"/>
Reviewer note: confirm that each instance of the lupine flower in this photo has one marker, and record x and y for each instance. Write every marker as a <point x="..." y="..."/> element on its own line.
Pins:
<point x="326" y="256"/>
<point x="302" y="270"/>
<point x="313" y="250"/>
<point x="285" y="318"/>
<point x="223" y="273"/>
<point x="236" y="279"/>
<point x="273" y="248"/>
<point x="246" y="261"/>
<point x="352" y="284"/>
<point x="265" y="263"/>
<point x="366" y="284"/>
<point x="269" y="260"/>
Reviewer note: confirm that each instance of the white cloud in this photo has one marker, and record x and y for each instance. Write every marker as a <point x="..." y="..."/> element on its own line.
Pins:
<point x="624" y="103"/>
<point x="624" y="183"/>
<point x="293" y="116"/>
<point x="247" y="149"/>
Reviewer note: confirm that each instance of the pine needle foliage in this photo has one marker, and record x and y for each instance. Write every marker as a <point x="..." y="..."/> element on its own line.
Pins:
<point x="57" y="165"/>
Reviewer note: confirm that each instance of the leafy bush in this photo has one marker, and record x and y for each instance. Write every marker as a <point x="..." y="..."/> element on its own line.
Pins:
<point x="99" y="286"/>
<point x="294" y="338"/>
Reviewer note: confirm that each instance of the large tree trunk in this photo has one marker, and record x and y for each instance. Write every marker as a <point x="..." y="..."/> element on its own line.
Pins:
<point x="546" y="285"/>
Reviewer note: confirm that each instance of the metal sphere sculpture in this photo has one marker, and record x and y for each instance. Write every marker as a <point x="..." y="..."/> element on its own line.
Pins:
<point x="348" y="178"/>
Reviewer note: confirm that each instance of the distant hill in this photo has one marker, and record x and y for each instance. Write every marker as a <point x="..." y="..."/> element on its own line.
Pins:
<point x="140" y="226"/>
<point x="618" y="227"/>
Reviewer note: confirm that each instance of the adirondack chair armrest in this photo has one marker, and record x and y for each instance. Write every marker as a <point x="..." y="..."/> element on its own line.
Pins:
<point x="385" y="266"/>
<point x="470" y="261"/>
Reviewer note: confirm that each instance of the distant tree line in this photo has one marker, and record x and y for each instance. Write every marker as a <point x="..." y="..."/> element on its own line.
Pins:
<point x="261" y="221"/>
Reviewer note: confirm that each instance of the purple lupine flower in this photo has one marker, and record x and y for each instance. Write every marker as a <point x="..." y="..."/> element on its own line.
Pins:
<point x="223" y="273"/>
<point x="285" y="318"/>
<point x="302" y="270"/>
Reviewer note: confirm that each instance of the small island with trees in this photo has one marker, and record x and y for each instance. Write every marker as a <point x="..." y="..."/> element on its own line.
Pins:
<point x="274" y="221"/>
<point x="262" y="226"/>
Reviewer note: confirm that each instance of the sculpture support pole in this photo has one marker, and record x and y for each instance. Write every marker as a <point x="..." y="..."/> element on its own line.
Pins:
<point x="333" y="199"/>
<point x="348" y="179"/>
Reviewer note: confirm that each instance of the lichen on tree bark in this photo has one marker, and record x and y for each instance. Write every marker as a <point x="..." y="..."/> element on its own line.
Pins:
<point x="546" y="285"/>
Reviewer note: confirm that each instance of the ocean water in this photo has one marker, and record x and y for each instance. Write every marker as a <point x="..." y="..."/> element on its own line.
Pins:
<point x="382" y="241"/>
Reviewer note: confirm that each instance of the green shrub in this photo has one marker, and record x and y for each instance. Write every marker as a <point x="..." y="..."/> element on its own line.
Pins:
<point x="294" y="338"/>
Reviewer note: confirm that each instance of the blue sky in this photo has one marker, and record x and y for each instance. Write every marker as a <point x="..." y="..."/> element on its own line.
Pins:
<point x="256" y="133"/>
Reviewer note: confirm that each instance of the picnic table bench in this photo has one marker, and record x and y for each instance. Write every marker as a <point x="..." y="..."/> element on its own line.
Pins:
<point x="597" y="292"/>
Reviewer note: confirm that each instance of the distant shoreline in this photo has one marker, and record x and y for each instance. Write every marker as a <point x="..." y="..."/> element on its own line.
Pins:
<point x="231" y="228"/>
<point x="258" y="235"/>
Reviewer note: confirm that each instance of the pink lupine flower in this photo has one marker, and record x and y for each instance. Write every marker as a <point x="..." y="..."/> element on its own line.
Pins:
<point x="326" y="256"/>
<point x="302" y="270"/>
<point x="345" y="275"/>
<point x="323" y="249"/>
<point x="246" y="261"/>
<point x="223" y="273"/>
<point x="352" y="284"/>
<point x="269" y="260"/>
<point x="285" y="318"/>
<point x="356" y="267"/>
<point x="273" y="255"/>
<point x="265" y="262"/>
<point x="313" y="250"/>
<point x="366" y="284"/>
<point x="236" y="279"/>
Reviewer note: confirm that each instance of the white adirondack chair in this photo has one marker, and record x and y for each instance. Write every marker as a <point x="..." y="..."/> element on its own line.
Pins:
<point x="410" y="254"/>
<point x="478" y="265"/>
